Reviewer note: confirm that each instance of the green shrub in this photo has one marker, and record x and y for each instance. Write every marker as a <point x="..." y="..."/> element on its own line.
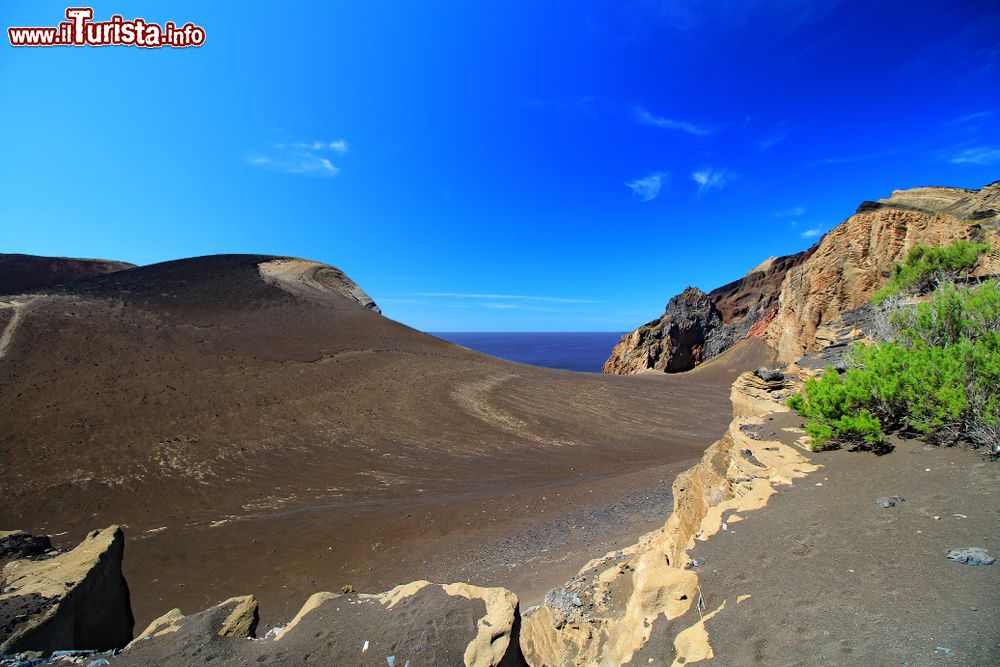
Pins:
<point x="921" y="388"/>
<point x="926" y="265"/>
<point x="833" y="407"/>
<point x="940" y="374"/>
<point x="951" y="316"/>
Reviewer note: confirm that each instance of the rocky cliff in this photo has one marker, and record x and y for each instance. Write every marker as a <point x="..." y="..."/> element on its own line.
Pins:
<point x="697" y="326"/>
<point x="785" y="299"/>
<point x="73" y="600"/>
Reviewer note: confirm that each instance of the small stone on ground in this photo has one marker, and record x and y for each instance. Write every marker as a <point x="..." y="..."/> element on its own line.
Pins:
<point x="970" y="556"/>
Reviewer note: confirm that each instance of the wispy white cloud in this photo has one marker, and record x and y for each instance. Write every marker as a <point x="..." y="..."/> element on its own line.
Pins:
<point x="713" y="179"/>
<point x="811" y="233"/>
<point x="772" y="138"/>
<point x="968" y="118"/>
<point x="977" y="155"/>
<point x="793" y="212"/>
<point x="501" y="297"/>
<point x="513" y="306"/>
<point x="305" y="158"/>
<point x="338" y="146"/>
<point x="648" y="187"/>
<point x="646" y="118"/>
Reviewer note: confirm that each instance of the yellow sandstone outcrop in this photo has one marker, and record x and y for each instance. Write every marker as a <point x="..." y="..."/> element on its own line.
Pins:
<point x="76" y="600"/>
<point x="606" y="614"/>
<point x="405" y="623"/>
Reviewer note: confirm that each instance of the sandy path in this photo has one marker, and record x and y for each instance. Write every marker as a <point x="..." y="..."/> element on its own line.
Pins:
<point x="19" y="308"/>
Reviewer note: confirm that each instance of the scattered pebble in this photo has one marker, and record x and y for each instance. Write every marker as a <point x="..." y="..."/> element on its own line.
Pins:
<point x="695" y="562"/>
<point x="970" y="556"/>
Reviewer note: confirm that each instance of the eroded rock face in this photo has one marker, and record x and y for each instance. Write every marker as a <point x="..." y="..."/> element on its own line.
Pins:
<point x="981" y="205"/>
<point x="854" y="261"/>
<point x="75" y="600"/>
<point x="785" y="299"/>
<point x="698" y="326"/>
<point x="310" y="279"/>
<point x="418" y="623"/>
<point x="673" y="343"/>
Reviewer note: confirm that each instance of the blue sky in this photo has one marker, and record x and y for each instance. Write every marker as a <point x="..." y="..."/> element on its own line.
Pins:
<point x="501" y="166"/>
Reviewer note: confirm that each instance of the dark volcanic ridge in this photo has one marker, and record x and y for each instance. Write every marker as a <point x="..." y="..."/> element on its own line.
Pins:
<point x="21" y="273"/>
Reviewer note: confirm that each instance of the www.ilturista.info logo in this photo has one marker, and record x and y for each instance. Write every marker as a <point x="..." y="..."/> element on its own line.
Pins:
<point x="81" y="30"/>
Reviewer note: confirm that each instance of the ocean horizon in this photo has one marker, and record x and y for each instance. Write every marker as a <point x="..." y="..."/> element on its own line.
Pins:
<point x="582" y="351"/>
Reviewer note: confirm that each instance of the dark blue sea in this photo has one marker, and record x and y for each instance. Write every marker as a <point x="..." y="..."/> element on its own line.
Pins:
<point x="573" y="351"/>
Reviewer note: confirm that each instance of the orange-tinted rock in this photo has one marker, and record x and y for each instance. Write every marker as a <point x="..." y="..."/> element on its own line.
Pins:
<point x="785" y="299"/>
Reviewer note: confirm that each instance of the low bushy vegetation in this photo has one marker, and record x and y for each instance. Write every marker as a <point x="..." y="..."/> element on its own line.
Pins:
<point x="936" y="373"/>
<point x="925" y="266"/>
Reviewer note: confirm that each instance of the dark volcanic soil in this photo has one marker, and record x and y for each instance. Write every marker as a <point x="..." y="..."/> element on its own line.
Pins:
<point x="837" y="580"/>
<point x="278" y="438"/>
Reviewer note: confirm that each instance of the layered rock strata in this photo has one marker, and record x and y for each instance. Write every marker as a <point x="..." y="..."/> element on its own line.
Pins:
<point x="785" y="299"/>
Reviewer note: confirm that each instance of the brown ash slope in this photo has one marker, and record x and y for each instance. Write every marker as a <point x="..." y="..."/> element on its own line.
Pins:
<point x="258" y="426"/>
<point x="785" y="299"/>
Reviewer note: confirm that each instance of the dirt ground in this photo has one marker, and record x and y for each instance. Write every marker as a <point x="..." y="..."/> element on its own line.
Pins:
<point x="835" y="579"/>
